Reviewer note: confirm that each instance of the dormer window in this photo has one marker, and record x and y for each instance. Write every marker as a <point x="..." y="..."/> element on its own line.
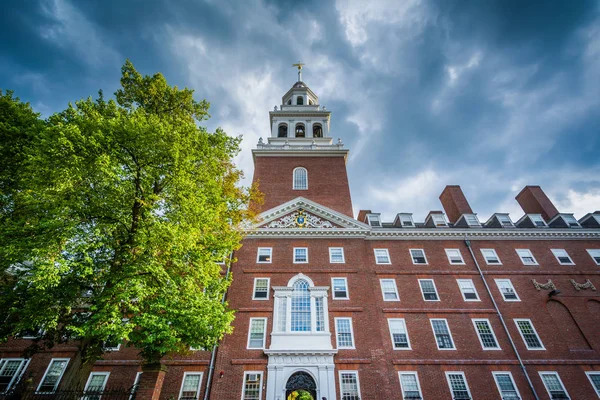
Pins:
<point x="282" y="130"/>
<point x="564" y="221"/>
<point x="299" y="101"/>
<point x="538" y="220"/>
<point x="300" y="179"/>
<point x="472" y="220"/>
<point x="405" y="220"/>
<point x="300" y="130"/>
<point x="373" y="220"/>
<point x="569" y="219"/>
<point x="505" y="220"/>
<point x="439" y="220"/>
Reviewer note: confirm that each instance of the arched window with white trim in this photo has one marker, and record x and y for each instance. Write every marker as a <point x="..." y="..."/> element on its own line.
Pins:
<point x="300" y="179"/>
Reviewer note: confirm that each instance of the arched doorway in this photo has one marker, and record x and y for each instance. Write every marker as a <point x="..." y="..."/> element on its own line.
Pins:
<point x="301" y="381"/>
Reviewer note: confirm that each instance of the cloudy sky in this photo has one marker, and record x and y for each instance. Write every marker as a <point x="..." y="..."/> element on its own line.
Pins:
<point x="491" y="95"/>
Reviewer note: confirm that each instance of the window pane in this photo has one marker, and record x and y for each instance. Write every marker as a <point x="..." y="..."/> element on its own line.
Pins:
<point x="301" y="307"/>
<point x="339" y="288"/>
<point x="252" y="387"/>
<point x="442" y="334"/>
<point x="349" y="386"/>
<point x="300" y="179"/>
<point x="485" y="334"/>
<point x="191" y="384"/>
<point x="529" y="334"/>
<point x="54" y="372"/>
<point x="459" y="387"/>
<point x="257" y="333"/>
<point x="261" y="290"/>
<point x="336" y="255"/>
<point x="389" y="289"/>
<point x="300" y="255"/>
<point x="264" y="255"/>
<point x="320" y="314"/>
<point x="344" y="332"/>
<point x="381" y="256"/>
<point x="399" y="334"/>
<point x="282" y="314"/>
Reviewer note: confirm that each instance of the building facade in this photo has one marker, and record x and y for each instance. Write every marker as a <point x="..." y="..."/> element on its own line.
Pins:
<point x="360" y="308"/>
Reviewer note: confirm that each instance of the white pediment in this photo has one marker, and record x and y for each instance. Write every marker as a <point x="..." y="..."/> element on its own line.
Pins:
<point x="301" y="213"/>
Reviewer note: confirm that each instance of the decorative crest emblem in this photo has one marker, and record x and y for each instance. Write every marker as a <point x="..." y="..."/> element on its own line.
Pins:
<point x="300" y="219"/>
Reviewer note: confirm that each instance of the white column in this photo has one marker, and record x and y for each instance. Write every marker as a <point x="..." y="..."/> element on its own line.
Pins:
<point x="288" y="320"/>
<point x="313" y="314"/>
<point x="309" y="129"/>
<point x="326" y="312"/>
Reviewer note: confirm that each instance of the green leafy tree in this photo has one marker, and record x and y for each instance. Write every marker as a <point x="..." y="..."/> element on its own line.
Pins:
<point x="122" y="212"/>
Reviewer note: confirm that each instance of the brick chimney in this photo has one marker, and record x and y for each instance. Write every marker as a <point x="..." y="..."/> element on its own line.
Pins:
<point x="533" y="200"/>
<point x="454" y="202"/>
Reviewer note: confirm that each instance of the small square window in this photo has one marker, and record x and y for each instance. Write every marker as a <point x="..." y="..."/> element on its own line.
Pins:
<point x="454" y="256"/>
<point x="428" y="290"/>
<point x="472" y="220"/>
<point x="406" y="220"/>
<point x="336" y="255"/>
<point x="507" y="290"/>
<point x="374" y="220"/>
<point x="382" y="256"/>
<point x="261" y="289"/>
<point x="526" y="257"/>
<point x="340" y="288"/>
<point x="263" y="255"/>
<point x="595" y="254"/>
<point x="418" y="256"/>
<point x="439" y="220"/>
<point x="562" y="257"/>
<point x="300" y="255"/>
<point x="529" y="334"/>
<point x="490" y="256"/>
<point x="505" y="220"/>
<point x="467" y="288"/>
<point x="389" y="290"/>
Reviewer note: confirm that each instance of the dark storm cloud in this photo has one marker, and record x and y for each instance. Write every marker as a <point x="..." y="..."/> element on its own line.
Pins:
<point x="491" y="95"/>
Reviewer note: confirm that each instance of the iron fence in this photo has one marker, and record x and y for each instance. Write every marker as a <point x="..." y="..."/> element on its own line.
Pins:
<point x="107" y="394"/>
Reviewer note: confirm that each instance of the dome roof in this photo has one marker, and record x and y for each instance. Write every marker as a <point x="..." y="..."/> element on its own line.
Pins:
<point x="299" y="84"/>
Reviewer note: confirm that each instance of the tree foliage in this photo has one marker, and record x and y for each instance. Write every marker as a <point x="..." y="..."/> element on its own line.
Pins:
<point x="123" y="210"/>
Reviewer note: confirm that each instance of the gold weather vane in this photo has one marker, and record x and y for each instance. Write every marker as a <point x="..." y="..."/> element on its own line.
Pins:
<point x="299" y="65"/>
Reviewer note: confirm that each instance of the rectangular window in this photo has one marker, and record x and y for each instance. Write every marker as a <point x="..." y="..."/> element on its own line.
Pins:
<point x="300" y="255"/>
<point x="490" y="256"/>
<point x="458" y="385"/>
<point x="562" y="257"/>
<point x="190" y="386"/>
<point x="418" y="256"/>
<point x="454" y="256"/>
<point x="320" y="314"/>
<point x="526" y="257"/>
<point x="336" y="255"/>
<point x="486" y="334"/>
<point x="554" y="385"/>
<point x="399" y="333"/>
<point x="439" y="220"/>
<point x="344" y="334"/>
<point x="256" y="334"/>
<point x="53" y="374"/>
<point x="507" y="290"/>
<point x="467" y="288"/>
<point x="505" y="221"/>
<point x="537" y="220"/>
<point x="263" y="255"/>
<point x="281" y="314"/>
<point x="113" y="343"/>
<point x="374" y="220"/>
<point x="506" y="385"/>
<point x="529" y="334"/>
<point x="595" y="254"/>
<point x="406" y="220"/>
<point x="472" y="220"/>
<point x="95" y="385"/>
<point x="409" y="383"/>
<point x="382" y="256"/>
<point x="349" y="387"/>
<point x="340" y="288"/>
<point x="571" y="221"/>
<point x="428" y="290"/>
<point x="10" y="371"/>
<point x="389" y="290"/>
<point x="442" y="334"/>
<point x="261" y="289"/>
<point x="594" y="378"/>
<point x="252" y="389"/>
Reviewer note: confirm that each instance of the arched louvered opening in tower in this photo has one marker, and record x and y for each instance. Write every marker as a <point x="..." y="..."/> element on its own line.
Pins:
<point x="300" y="130"/>
<point x="317" y="131"/>
<point x="282" y="130"/>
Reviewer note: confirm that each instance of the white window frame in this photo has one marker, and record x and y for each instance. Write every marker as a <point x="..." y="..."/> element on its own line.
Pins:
<point x="406" y="218"/>
<point x="589" y="376"/>
<point x="413" y="257"/>
<point x="591" y="252"/>
<point x="264" y="339"/>
<point x="270" y="255"/>
<point x="542" y="373"/>
<point x="355" y="372"/>
<point x="475" y="320"/>
<point x="187" y="373"/>
<point x="24" y="363"/>
<point x="268" y="289"/>
<point x="106" y="375"/>
<point x="523" y="253"/>
<point x="462" y="260"/>
<point x="533" y="218"/>
<point x="534" y="331"/>
<point x="498" y="283"/>
<point x="331" y="258"/>
<point x="115" y="348"/>
<point x="136" y="384"/>
<point x="374" y="218"/>
<point x="434" y="288"/>
<point x="403" y="321"/>
<point x="333" y="296"/>
<point x="495" y="373"/>
<point x="260" y="383"/>
<point x="395" y="289"/>
<point x="441" y="220"/>
<point x="510" y="224"/>
<point x="557" y="253"/>
<point x="294" y="187"/>
<point x="448" y="373"/>
<point x="416" y="375"/>
<point x="387" y="253"/>
<point x="474" y="221"/>
<point x="337" y="338"/>
<point x="449" y="333"/>
<point x="485" y="257"/>
<point x="59" y="376"/>
<point x="458" y="281"/>
<point x="300" y="262"/>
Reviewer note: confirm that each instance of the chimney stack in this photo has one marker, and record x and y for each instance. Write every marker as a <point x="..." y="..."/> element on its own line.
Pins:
<point x="533" y="200"/>
<point x="455" y="203"/>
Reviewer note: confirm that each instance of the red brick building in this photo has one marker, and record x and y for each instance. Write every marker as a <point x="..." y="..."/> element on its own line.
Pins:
<point x="447" y="308"/>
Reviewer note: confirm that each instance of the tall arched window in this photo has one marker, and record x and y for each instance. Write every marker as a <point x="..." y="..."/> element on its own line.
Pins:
<point x="300" y="179"/>
<point x="300" y="321"/>
<point x="300" y="101"/>
<point x="282" y="131"/>
<point x="300" y="130"/>
<point x="317" y="131"/>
